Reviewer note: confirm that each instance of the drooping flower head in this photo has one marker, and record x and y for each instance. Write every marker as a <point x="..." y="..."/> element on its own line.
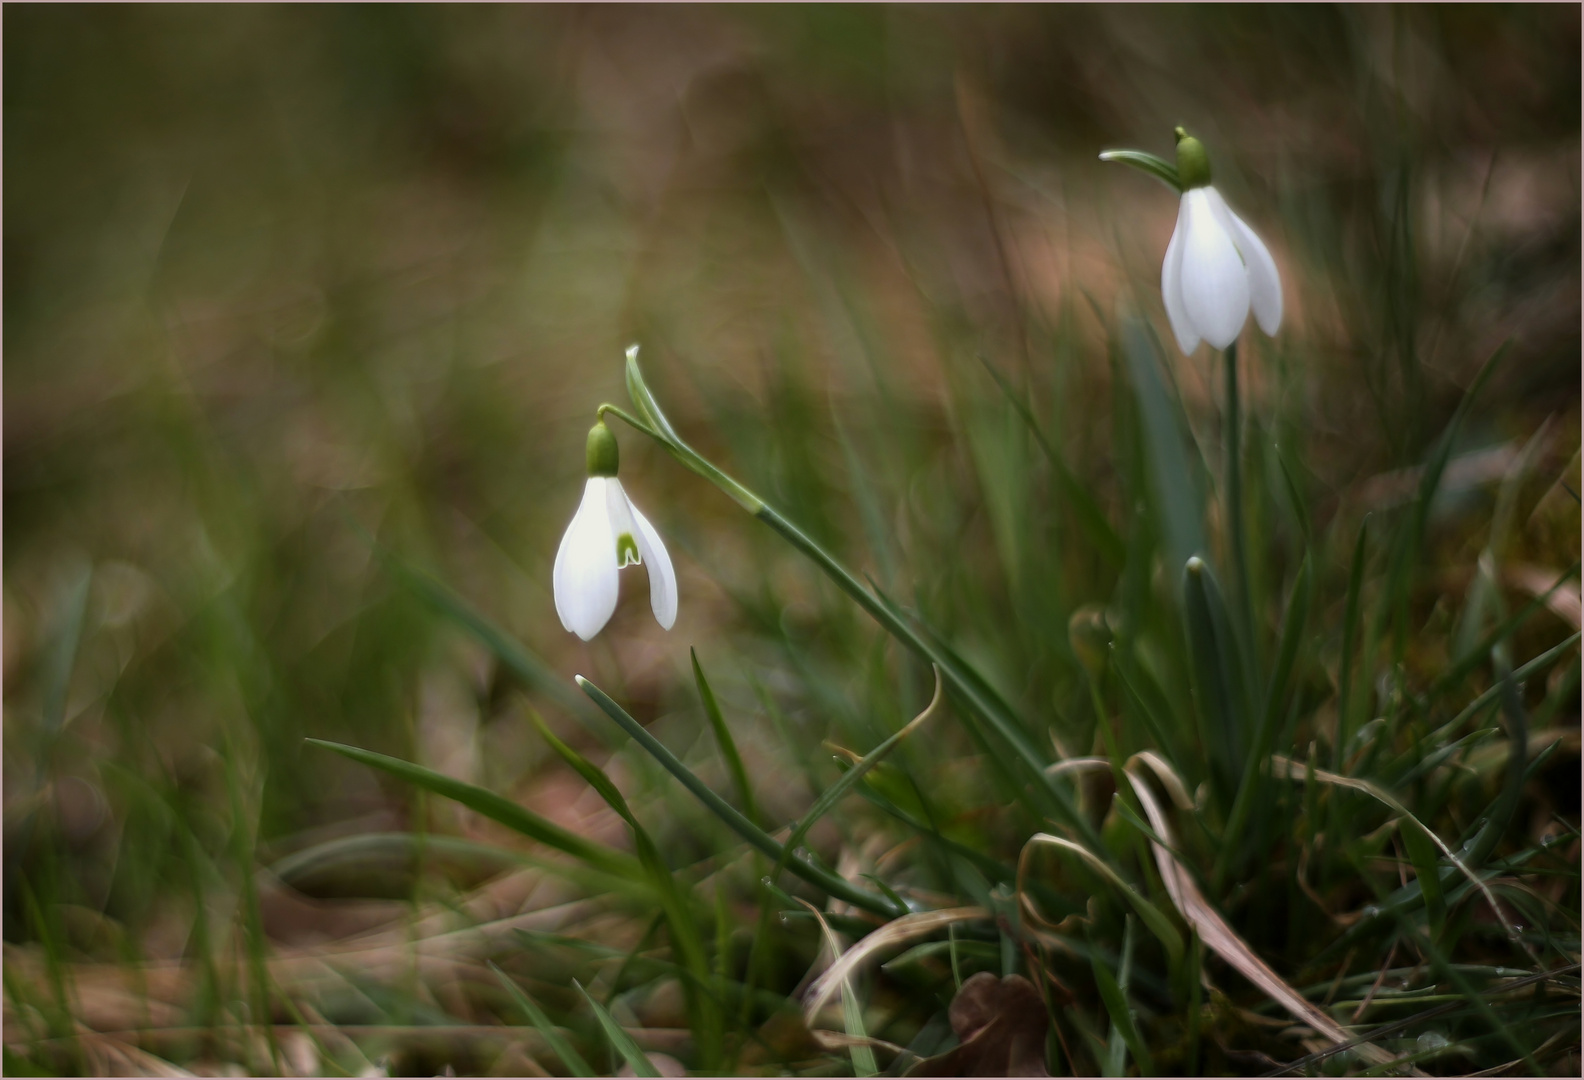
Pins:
<point x="1215" y="268"/>
<point x="608" y="533"/>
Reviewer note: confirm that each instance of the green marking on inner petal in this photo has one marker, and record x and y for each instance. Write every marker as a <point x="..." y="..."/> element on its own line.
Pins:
<point x="626" y="550"/>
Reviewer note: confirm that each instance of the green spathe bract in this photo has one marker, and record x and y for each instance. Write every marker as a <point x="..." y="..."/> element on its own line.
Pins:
<point x="603" y="455"/>
<point x="1193" y="163"/>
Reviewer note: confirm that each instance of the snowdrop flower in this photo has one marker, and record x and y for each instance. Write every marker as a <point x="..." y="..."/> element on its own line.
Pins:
<point x="1215" y="266"/>
<point x="606" y="534"/>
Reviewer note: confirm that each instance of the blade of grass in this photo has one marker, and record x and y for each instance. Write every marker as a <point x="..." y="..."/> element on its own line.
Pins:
<point x="750" y="832"/>
<point x="1287" y="652"/>
<point x="844" y="784"/>
<point x="552" y="1036"/>
<point x="1422" y="853"/>
<point x="1405" y="552"/>
<point x="863" y="1058"/>
<point x="723" y="739"/>
<point x="1175" y="488"/>
<point x="1219" y="680"/>
<point x="1481" y="652"/>
<point x="495" y="808"/>
<point x="1158" y="923"/>
<point x="1529" y="669"/>
<point x="1350" y="622"/>
<point x="1299" y="505"/>
<point x="685" y="936"/>
<point x="1085" y="510"/>
<point x="531" y="670"/>
<point x="1113" y="995"/>
<point x="635" y="1058"/>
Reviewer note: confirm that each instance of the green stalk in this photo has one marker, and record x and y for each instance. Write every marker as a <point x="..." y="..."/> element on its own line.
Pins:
<point x="1234" y="495"/>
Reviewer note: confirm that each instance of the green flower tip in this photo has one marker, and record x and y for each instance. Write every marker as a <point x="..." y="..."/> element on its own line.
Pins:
<point x="603" y="454"/>
<point x="1193" y="164"/>
<point x="1195" y="565"/>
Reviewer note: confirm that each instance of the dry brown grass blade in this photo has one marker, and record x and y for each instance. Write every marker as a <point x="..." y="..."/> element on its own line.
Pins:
<point x="908" y="927"/>
<point x="1077" y="764"/>
<point x="1216" y="933"/>
<point x="829" y="1039"/>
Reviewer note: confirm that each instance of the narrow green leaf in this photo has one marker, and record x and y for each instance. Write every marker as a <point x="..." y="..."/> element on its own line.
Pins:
<point x="1425" y="858"/>
<point x="1174" y="488"/>
<point x="1086" y="511"/>
<point x="1153" y="917"/>
<point x="675" y="905"/>
<point x="529" y="668"/>
<point x="660" y="428"/>
<point x="552" y="1036"/>
<point x="591" y="773"/>
<point x="1150" y="705"/>
<point x="1480" y="653"/>
<point x="1275" y="695"/>
<point x="863" y="1058"/>
<point x="1295" y="496"/>
<point x="1350" y="620"/>
<point x="360" y="853"/>
<point x="62" y="657"/>
<point x="723" y="739"/>
<point x="837" y="791"/>
<point x="1405" y="553"/>
<point x="1532" y="668"/>
<point x="635" y="1058"/>
<point x="1219" y="685"/>
<point x="750" y="832"/>
<point x="495" y="808"/>
<point x="1121" y="1016"/>
<point x="1158" y="167"/>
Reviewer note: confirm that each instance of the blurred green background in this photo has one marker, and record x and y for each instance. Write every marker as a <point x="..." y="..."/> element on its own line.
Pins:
<point x="273" y="275"/>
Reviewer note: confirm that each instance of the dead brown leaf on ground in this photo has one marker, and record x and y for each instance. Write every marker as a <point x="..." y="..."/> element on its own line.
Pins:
<point x="1002" y="1025"/>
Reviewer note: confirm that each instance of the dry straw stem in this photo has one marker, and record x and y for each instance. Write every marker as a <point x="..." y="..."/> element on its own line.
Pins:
<point x="908" y="927"/>
<point x="1213" y="929"/>
<point x="857" y="1042"/>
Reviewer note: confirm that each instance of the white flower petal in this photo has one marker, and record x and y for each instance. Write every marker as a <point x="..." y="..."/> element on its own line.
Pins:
<point x="621" y="523"/>
<point x="1264" y="283"/>
<point x="1215" y="285"/>
<point x="585" y="565"/>
<point x="1171" y="290"/>
<point x="662" y="577"/>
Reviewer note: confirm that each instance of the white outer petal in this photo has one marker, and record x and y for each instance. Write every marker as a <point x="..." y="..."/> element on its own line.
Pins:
<point x="585" y="565"/>
<point x="1264" y="283"/>
<point x="1215" y="283"/>
<point x="662" y="577"/>
<point x="1171" y="291"/>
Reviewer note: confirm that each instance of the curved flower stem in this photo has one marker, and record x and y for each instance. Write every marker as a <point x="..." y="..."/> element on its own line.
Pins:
<point x="689" y="457"/>
<point x="1050" y="797"/>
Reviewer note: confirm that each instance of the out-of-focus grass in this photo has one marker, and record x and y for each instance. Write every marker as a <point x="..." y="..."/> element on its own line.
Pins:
<point x="281" y="279"/>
